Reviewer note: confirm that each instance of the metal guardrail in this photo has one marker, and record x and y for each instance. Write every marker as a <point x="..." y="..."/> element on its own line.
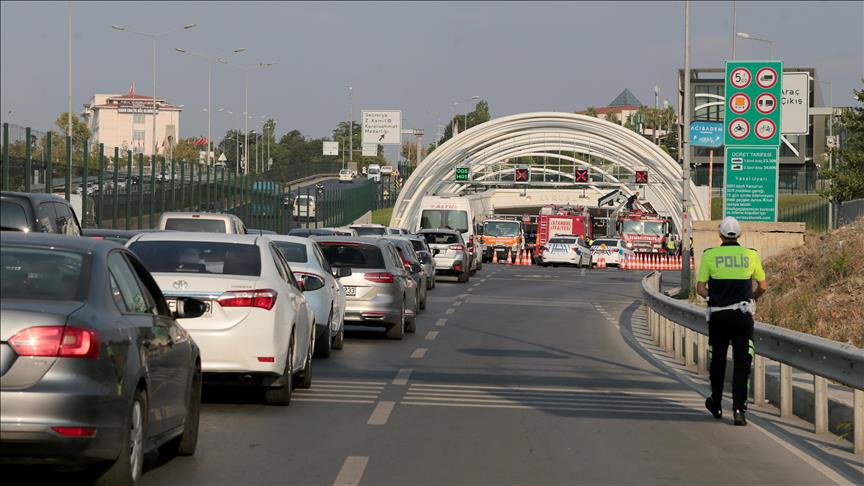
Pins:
<point x="673" y="324"/>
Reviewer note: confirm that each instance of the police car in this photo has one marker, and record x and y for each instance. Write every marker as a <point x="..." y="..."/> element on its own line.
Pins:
<point x="614" y="251"/>
<point x="566" y="250"/>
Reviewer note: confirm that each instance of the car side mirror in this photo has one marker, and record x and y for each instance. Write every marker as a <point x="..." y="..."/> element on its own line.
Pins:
<point x="189" y="308"/>
<point x="310" y="283"/>
<point x="340" y="272"/>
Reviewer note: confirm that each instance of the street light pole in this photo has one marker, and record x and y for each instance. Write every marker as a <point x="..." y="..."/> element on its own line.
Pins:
<point x="734" y="21"/>
<point x="246" y="69"/>
<point x="350" y="124"/>
<point x="685" y="146"/>
<point x="69" y="74"/>
<point x="745" y="35"/>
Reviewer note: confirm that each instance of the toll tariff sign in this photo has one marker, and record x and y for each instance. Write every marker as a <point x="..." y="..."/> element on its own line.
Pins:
<point x="751" y="183"/>
<point x="753" y="94"/>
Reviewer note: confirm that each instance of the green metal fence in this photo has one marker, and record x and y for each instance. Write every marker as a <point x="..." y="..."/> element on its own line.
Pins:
<point x="114" y="188"/>
<point x="814" y="214"/>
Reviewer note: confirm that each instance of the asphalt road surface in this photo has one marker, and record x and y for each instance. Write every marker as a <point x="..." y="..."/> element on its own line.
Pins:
<point x="525" y="375"/>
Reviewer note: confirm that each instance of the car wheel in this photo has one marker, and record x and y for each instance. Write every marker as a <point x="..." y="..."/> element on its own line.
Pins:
<point x="324" y="344"/>
<point x="463" y="277"/>
<point x="281" y="395"/>
<point x="304" y="376"/>
<point x="554" y="265"/>
<point x="339" y="339"/>
<point x="423" y="302"/>
<point x="397" y="330"/>
<point x="480" y="265"/>
<point x="186" y="443"/>
<point x="128" y="467"/>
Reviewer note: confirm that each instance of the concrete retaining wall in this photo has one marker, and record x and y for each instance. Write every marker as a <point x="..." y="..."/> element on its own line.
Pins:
<point x="768" y="239"/>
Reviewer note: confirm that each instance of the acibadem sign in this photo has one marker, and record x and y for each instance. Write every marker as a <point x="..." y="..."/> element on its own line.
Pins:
<point x="752" y="139"/>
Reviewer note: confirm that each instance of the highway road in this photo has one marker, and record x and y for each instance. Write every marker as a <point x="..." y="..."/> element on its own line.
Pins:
<point x="525" y="375"/>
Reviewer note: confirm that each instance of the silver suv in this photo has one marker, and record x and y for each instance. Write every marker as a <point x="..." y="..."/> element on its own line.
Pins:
<point x="449" y="251"/>
<point x="202" y="222"/>
<point x="380" y="291"/>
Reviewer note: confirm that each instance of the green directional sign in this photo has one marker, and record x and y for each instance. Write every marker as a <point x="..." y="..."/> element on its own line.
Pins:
<point x="753" y="96"/>
<point x="751" y="183"/>
<point x="463" y="173"/>
<point x="752" y="139"/>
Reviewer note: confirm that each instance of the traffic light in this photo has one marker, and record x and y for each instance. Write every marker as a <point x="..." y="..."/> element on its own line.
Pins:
<point x="462" y="173"/>
<point x="641" y="177"/>
<point x="522" y="175"/>
<point x="581" y="175"/>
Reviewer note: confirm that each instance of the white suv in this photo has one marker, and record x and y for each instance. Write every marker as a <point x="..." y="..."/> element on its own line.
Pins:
<point x="449" y="252"/>
<point x="202" y="222"/>
<point x="346" y="175"/>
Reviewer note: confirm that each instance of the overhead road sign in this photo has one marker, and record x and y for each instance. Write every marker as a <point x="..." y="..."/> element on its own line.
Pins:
<point x="581" y="175"/>
<point x="522" y="175"/>
<point x="641" y="177"/>
<point x="370" y="150"/>
<point x="706" y="134"/>
<point x="382" y="127"/>
<point x="331" y="148"/>
<point x="795" y="104"/>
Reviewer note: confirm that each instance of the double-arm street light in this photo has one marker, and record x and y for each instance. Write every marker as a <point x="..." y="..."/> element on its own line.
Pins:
<point x="209" y="60"/>
<point x="153" y="36"/>
<point x="465" y="101"/>
<point x="246" y="69"/>
<point x="745" y="35"/>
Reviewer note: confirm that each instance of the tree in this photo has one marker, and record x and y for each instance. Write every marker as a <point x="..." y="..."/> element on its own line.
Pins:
<point x="409" y="152"/>
<point x="591" y="111"/>
<point x="847" y="176"/>
<point x="80" y="130"/>
<point x="612" y="117"/>
<point x="186" y="150"/>
<point x="479" y="115"/>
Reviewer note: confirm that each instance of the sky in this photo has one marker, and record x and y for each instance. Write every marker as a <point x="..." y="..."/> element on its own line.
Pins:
<point x="418" y="57"/>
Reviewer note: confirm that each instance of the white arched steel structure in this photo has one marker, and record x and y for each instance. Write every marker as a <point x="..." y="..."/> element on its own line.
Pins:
<point x="555" y="135"/>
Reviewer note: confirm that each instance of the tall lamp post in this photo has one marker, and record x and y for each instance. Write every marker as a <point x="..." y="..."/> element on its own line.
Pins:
<point x="246" y="69"/>
<point x="831" y="149"/>
<point x="745" y="35"/>
<point x="153" y="36"/>
<point x="209" y="60"/>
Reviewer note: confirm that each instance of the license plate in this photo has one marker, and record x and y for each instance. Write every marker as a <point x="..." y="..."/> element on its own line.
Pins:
<point x="172" y="306"/>
<point x="350" y="291"/>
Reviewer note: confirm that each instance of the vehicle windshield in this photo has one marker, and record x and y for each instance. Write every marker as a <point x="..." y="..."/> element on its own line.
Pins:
<point x="501" y="228"/>
<point x="632" y="227"/>
<point x="198" y="225"/>
<point x="12" y="216"/>
<point x="372" y="170"/>
<point x="199" y="257"/>
<point x="293" y="252"/>
<point x="597" y="243"/>
<point x="444" y="218"/>
<point x="369" y="230"/>
<point x="43" y="274"/>
<point x="354" y="255"/>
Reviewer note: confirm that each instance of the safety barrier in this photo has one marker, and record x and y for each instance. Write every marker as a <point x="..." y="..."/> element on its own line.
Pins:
<point x="680" y="328"/>
<point x="649" y="261"/>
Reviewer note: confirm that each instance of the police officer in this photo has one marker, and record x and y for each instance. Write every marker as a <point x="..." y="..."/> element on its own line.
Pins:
<point x="726" y="275"/>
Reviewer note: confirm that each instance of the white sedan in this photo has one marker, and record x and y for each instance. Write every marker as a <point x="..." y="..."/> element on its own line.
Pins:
<point x="258" y="328"/>
<point x="613" y="251"/>
<point x="566" y="250"/>
<point x="322" y="289"/>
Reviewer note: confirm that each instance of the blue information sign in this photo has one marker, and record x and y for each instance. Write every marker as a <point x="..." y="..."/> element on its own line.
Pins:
<point x="706" y="134"/>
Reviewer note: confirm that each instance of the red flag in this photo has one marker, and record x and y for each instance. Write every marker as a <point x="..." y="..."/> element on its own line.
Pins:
<point x="132" y="90"/>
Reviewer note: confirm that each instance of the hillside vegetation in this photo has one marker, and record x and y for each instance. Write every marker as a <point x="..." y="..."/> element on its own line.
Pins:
<point x="818" y="288"/>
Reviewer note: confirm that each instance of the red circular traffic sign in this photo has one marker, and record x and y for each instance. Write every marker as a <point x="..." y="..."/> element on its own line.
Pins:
<point x="766" y="103"/>
<point x="766" y="77"/>
<point x="739" y="129"/>
<point x="739" y="103"/>
<point x="765" y="128"/>
<point x="740" y="77"/>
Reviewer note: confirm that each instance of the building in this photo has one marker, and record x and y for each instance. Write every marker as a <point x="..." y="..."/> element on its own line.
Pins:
<point x="800" y="155"/>
<point x="625" y="110"/>
<point x="126" y="122"/>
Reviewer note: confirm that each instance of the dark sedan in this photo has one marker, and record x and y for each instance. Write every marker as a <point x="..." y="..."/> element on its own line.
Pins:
<point x="95" y="370"/>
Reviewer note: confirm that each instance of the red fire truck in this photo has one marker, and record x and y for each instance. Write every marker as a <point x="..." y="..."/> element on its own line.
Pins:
<point x="642" y="231"/>
<point x="558" y="220"/>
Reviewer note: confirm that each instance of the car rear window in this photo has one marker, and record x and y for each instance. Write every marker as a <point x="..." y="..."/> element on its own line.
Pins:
<point x="196" y="225"/>
<point x="369" y="231"/>
<point x="12" y="216"/>
<point x="440" y="238"/>
<point x="199" y="257"/>
<point x="43" y="274"/>
<point x="354" y="255"/>
<point x="418" y="245"/>
<point x="293" y="252"/>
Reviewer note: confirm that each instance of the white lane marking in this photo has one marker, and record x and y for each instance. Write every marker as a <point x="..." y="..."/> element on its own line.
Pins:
<point x="325" y="394"/>
<point x="476" y="285"/>
<point x="664" y="393"/>
<point x="431" y="335"/>
<point x="815" y="464"/>
<point x="402" y="376"/>
<point x="450" y="311"/>
<point x="330" y="400"/>
<point x="352" y="471"/>
<point x="351" y="382"/>
<point x="419" y="353"/>
<point x="381" y="413"/>
<point x="369" y="388"/>
<point x="579" y="409"/>
<point x="457" y="303"/>
<point x="470" y="290"/>
<point x="441" y="322"/>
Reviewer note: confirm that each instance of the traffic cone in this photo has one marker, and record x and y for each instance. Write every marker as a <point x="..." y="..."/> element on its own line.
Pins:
<point x="601" y="262"/>
<point x="494" y="256"/>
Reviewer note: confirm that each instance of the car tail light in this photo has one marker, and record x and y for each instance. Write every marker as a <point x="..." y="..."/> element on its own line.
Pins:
<point x="56" y="341"/>
<point x="456" y="247"/>
<point x="379" y="277"/>
<point x="75" y="431"/>
<point x="96" y="237"/>
<point x="266" y="359"/>
<point x="261" y="298"/>
<point x="471" y="244"/>
<point x="458" y="268"/>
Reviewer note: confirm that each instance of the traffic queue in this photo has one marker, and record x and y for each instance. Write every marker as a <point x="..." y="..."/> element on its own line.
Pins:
<point x="109" y="336"/>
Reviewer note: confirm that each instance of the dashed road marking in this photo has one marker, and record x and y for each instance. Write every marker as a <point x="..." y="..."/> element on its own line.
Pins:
<point x="457" y="303"/>
<point x="352" y="471"/>
<point x="441" y="322"/>
<point x="450" y="311"/>
<point x="419" y="353"/>
<point x="431" y="335"/>
<point x="402" y="377"/>
<point x="470" y="290"/>
<point x="381" y="413"/>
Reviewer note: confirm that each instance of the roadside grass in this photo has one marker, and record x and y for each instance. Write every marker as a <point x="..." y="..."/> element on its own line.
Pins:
<point x="382" y="216"/>
<point x="818" y="288"/>
<point x="785" y="201"/>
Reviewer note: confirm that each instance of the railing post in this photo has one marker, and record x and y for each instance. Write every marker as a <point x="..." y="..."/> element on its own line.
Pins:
<point x="785" y="390"/>
<point x="153" y="164"/>
<point x="702" y="358"/>
<point x="115" y="191"/>
<point x="688" y="347"/>
<point x="661" y="331"/>
<point x="162" y="186"/>
<point x="759" y="380"/>
<point x="101" y="185"/>
<point x="128" y="189"/>
<point x="820" y="404"/>
<point x="68" y="179"/>
<point x="858" y="421"/>
<point x="173" y="189"/>
<point x="28" y="160"/>
<point x="84" y="167"/>
<point x="49" y="168"/>
<point x="140" y="191"/>
<point x="670" y="335"/>
<point x="6" y="156"/>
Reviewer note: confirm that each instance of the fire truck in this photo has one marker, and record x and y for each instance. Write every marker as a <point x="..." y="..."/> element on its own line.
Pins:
<point x="561" y="220"/>
<point x="637" y="223"/>
<point x="503" y="238"/>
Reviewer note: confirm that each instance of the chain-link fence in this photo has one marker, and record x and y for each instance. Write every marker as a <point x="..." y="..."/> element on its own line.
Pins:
<point x="118" y="189"/>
